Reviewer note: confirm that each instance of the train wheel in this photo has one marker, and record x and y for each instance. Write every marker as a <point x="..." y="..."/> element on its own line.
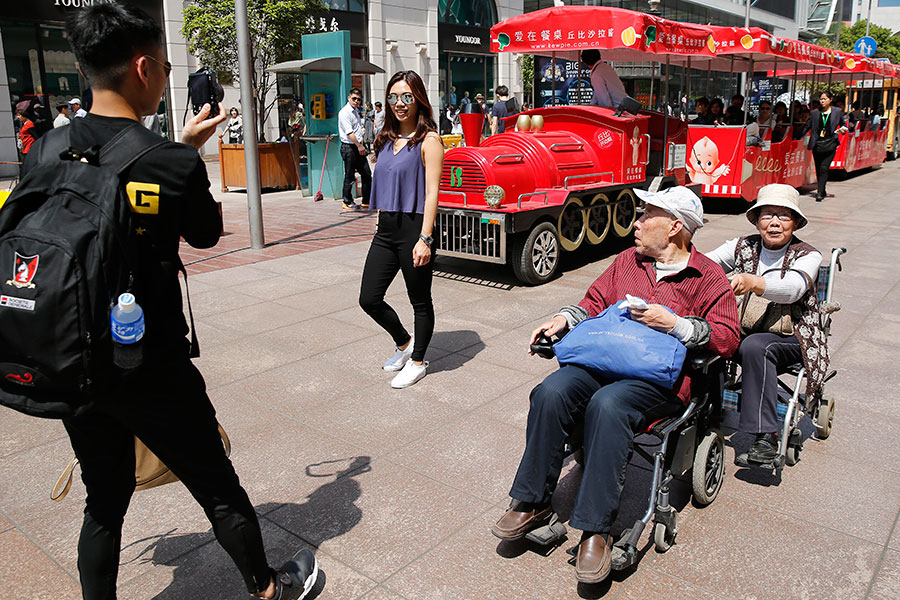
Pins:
<point x="536" y="256"/>
<point x="624" y="213"/>
<point x="571" y="224"/>
<point x="598" y="220"/>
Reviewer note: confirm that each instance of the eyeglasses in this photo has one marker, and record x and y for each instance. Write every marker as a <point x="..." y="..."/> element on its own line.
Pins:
<point x="406" y="99"/>
<point x="762" y="108"/>
<point x="167" y="66"/>
<point x="784" y="217"/>
<point x="355" y="98"/>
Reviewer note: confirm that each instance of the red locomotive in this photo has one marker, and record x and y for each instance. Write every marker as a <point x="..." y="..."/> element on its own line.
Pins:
<point x="563" y="177"/>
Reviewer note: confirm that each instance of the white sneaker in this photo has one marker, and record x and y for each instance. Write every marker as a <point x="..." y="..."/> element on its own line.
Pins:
<point x="410" y="374"/>
<point x="400" y="358"/>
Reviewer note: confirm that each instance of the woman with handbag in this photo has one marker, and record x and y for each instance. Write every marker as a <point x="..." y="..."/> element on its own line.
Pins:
<point x="823" y="125"/>
<point x="781" y="324"/>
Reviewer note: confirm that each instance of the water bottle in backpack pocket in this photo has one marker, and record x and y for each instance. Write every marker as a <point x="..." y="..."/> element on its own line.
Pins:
<point x="127" y="328"/>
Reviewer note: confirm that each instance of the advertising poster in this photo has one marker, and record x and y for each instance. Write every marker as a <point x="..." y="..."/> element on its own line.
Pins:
<point x="762" y="90"/>
<point x="572" y="82"/>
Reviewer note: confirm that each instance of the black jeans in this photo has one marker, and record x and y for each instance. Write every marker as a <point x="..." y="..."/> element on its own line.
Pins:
<point x="168" y="409"/>
<point x="822" y="159"/>
<point x="760" y="355"/>
<point x="391" y="251"/>
<point x="355" y="162"/>
<point x="612" y="412"/>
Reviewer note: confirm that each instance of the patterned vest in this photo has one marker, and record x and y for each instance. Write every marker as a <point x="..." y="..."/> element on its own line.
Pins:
<point x="806" y="314"/>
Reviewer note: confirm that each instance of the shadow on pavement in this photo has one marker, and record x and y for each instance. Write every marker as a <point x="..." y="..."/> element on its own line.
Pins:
<point x="328" y="512"/>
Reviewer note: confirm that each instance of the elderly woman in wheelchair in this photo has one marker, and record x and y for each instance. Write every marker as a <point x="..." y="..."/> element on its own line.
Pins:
<point x="775" y="274"/>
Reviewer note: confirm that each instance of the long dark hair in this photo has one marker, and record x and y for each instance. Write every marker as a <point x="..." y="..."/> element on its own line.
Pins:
<point x="391" y="130"/>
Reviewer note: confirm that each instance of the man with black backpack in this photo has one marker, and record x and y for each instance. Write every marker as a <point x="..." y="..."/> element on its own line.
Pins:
<point x="100" y="209"/>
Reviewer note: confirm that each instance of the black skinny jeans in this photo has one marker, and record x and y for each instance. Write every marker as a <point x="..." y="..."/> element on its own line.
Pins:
<point x="822" y="161"/>
<point x="353" y="162"/>
<point x="391" y="251"/>
<point x="168" y="409"/>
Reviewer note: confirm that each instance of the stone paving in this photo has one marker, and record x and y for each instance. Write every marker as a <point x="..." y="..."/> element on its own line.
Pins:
<point x="397" y="489"/>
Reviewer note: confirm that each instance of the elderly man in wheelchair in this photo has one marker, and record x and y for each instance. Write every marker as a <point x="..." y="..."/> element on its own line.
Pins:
<point x="783" y="324"/>
<point x="679" y="292"/>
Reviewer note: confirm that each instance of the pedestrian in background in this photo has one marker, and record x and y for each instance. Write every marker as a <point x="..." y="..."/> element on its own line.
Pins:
<point x="824" y="125"/>
<point x="409" y="154"/>
<point x="62" y="119"/>
<point x="235" y="127"/>
<point x="26" y="129"/>
<point x="351" y="132"/>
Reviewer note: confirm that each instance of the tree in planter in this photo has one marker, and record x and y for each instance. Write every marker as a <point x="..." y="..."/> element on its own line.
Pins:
<point x="276" y="27"/>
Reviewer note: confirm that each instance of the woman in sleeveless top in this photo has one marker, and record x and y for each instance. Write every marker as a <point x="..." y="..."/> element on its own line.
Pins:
<point x="782" y="269"/>
<point x="409" y="156"/>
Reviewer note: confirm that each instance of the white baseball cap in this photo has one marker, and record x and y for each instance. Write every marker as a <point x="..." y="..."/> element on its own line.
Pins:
<point x="75" y="101"/>
<point x="680" y="202"/>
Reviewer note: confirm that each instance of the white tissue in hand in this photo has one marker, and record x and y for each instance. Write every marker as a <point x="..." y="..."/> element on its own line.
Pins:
<point x="633" y="302"/>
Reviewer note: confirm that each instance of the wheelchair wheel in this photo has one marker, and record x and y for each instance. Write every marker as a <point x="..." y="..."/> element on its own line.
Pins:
<point x="664" y="537"/>
<point x="825" y="418"/>
<point x="794" y="446"/>
<point x="709" y="467"/>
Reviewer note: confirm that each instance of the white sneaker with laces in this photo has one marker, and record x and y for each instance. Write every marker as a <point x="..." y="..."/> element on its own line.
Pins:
<point x="400" y="358"/>
<point x="410" y="374"/>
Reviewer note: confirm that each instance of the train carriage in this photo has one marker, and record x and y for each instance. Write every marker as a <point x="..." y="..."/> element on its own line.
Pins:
<point x="564" y="175"/>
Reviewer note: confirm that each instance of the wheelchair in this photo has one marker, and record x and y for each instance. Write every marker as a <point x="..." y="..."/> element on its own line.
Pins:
<point x="793" y="403"/>
<point x="685" y="445"/>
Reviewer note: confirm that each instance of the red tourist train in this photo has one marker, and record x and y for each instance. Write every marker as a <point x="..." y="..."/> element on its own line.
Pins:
<point x="564" y="175"/>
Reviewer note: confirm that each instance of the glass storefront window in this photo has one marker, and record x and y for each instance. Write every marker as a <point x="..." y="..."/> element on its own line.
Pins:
<point x="474" y="13"/>
<point x="472" y="74"/>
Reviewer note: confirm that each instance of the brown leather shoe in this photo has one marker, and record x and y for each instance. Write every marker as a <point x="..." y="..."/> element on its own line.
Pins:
<point x="515" y="523"/>
<point x="593" y="562"/>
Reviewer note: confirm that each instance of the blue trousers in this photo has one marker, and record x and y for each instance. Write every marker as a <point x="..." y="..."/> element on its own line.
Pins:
<point x="612" y="413"/>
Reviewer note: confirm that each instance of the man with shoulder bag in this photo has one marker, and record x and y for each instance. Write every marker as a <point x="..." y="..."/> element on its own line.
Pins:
<point x="110" y="188"/>
<point x="680" y="294"/>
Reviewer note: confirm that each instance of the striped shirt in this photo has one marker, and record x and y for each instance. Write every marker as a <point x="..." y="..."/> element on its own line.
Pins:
<point x="700" y="289"/>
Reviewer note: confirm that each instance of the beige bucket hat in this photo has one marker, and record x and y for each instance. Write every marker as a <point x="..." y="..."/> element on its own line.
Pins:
<point x="778" y="194"/>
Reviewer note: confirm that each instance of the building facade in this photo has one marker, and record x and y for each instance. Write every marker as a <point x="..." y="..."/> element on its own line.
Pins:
<point x="883" y="12"/>
<point x="446" y="41"/>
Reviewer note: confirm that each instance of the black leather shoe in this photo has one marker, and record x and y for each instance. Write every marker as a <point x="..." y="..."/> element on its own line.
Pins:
<point x="764" y="449"/>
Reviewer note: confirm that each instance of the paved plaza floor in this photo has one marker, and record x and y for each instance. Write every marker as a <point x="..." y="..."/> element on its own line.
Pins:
<point x="396" y="490"/>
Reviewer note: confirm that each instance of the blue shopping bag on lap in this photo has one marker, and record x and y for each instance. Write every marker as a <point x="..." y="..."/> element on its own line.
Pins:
<point x="616" y="347"/>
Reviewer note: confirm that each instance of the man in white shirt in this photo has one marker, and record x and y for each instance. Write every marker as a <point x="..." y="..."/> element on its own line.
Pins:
<point x="379" y="117"/>
<point x="608" y="88"/>
<point x="62" y="119"/>
<point x="350" y="130"/>
<point x="75" y="107"/>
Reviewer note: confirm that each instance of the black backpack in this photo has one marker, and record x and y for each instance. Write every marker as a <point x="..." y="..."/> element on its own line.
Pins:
<point x="67" y="250"/>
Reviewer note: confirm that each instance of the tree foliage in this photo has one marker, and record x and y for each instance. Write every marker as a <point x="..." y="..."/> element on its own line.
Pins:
<point x="527" y="62"/>
<point x="276" y="27"/>
<point x="888" y="45"/>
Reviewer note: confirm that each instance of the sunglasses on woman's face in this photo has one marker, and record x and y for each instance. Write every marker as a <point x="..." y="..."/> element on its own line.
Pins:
<point x="405" y="99"/>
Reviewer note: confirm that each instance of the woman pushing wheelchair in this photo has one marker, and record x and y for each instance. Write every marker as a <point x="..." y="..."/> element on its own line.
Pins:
<point x="774" y="275"/>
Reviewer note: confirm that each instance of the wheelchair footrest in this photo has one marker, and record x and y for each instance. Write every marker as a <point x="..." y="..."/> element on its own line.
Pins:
<point x="551" y="533"/>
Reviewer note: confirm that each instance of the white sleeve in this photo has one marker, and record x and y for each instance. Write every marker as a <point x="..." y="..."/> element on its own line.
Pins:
<point x="345" y="124"/>
<point x="724" y="255"/>
<point x="794" y="285"/>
